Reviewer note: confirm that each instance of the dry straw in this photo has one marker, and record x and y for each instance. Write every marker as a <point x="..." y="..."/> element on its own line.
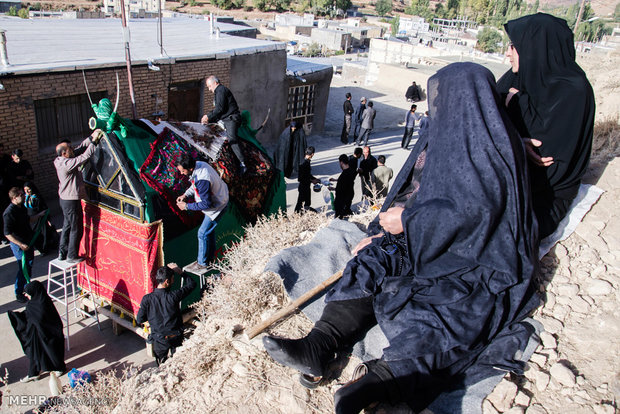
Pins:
<point x="219" y="369"/>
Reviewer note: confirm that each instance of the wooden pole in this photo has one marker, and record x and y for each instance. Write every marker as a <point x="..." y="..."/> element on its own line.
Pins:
<point x="294" y="305"/>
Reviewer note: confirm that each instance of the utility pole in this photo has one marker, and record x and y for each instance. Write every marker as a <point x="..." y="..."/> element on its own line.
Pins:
<point x="128" y="60"/>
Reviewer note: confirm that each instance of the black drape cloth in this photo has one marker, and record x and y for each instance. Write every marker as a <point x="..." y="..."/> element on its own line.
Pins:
<point x="290" y="151"/>
<point x="555" y="105"/>
<point x="39" y="330"/>
<point x="450" y="293"/>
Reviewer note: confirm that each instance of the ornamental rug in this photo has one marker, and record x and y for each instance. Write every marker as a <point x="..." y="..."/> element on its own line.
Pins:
<point x="249" y="191"/>
<point x="122" y="257"/>
<point x="161" y="174"/>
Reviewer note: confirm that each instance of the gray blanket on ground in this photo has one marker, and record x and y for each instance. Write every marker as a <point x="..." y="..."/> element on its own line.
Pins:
<point x="303" y="267"/>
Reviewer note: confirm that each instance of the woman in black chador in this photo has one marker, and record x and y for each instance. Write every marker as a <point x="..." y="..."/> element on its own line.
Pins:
<point x="39" y="330"/>
<point x="551" y="103"/>
<point x="291" y="150"/>
<point x="447" y="275"/>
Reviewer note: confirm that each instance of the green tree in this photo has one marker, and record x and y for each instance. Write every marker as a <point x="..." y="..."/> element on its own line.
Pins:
<point x="261" y="5"/>
<point x="488" y="40"/>
<point x="592" y="31"/>
<point x="281" y="5"/>
<point x="12" y="11"/>
<point x="395" y="23"/>
<point x="23" y="13"/>
<point x="383" y="7"/>
<point x="617" y="12"/>
<point x="313" y="50"/>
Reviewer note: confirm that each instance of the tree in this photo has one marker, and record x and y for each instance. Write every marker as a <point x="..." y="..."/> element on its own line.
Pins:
<point x="23" y="13"/>
<point x="488" y="40"/>
<point x="592" y="31"/>
<point x="383" y="7"/>
<point x="617" y="12"/>
<point x="12" y="11"/>
<point x="261" y="5"/>
<point x="395" y="23"/>
<point x="313" y="50"/>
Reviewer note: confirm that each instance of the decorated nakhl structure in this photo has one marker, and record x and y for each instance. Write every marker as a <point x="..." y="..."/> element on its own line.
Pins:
<point x="132" y="225"/>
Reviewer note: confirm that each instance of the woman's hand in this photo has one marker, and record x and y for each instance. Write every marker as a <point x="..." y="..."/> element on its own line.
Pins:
<point x="364" y="242"/>
<point x="391" y="220"/>
<point x="530" y="149"/>
<point x="511" y="92"/>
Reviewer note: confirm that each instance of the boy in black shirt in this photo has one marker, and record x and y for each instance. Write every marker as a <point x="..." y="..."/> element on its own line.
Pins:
<point x="17" y="230"/>
<point x="162" y="309"/>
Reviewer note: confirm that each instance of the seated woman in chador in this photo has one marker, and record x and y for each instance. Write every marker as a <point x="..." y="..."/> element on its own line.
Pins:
<point x="447" y="274"/>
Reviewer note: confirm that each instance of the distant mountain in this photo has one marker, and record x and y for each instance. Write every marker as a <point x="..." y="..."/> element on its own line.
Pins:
<point x="602" y="8"/>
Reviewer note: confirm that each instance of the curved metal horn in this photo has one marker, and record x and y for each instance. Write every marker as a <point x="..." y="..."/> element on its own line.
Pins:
<point x="265" y="121"/>
<point x="86" y="86"/>
<point x="118" y="88"/>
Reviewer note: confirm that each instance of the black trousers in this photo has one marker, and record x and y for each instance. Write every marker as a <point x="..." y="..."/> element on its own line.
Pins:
<point x="407" y="137"/>
<point x="346" y="128"/>
<point x="72" y="228"/>
<point x="164" y="346"/>
<point x="304" y="197"/>
<point x="232" y="124"/>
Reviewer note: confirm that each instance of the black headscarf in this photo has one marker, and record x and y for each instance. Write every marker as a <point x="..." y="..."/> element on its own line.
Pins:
<point x="555" y="103"/>
<point x="454" y="308"/>
<point x="39" y="330"/>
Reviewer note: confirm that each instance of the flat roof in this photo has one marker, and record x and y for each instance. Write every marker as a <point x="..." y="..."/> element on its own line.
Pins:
<point x="298" y="66"/>
<point x="44" y="45"/>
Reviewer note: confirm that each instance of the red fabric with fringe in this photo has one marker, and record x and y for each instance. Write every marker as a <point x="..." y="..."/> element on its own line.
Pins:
<point x="122" y="257"/>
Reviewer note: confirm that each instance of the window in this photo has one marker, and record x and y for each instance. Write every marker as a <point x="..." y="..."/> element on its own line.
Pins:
<point x="63" y="118"/>
<point x="301" y="104"/>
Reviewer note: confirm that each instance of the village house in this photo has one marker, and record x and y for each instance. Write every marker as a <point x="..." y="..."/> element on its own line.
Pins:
<point x="43" y="98"/>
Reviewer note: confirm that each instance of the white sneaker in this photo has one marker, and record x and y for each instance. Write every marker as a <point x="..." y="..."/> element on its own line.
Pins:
<point x="28" y="378"/>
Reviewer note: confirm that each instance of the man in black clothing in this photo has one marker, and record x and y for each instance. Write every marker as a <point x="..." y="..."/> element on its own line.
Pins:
<point x="413" y="93"/>
<point x="305" y="178"/>
<point x="358" y="118"/>
<point x="356" y="158"/>
<point x="4" y="186"/>
<point x="367" y="166"/>
<point x="225" y="108"/>
<point x="17" y="230"/>
<point x="162" y="310"/>
<point x="348" y="115"/>
<point x="344" y="188"/>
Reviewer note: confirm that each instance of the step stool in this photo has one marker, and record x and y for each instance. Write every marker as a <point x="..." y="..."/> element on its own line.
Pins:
<point x="64" y="291"/>
<point x="202" y="274"/>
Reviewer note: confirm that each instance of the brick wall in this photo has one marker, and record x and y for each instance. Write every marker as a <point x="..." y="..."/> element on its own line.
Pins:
<point x="17" y="115"/>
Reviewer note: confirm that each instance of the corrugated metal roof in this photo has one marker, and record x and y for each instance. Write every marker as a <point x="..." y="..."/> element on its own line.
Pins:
<point x="43" y="45"/>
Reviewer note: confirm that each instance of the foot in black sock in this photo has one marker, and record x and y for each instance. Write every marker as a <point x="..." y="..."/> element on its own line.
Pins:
<point x="357" y="395"/>
<point x="309" y="355"/>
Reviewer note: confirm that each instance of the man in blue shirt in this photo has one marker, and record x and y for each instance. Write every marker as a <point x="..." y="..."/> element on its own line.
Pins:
<point x="410" y="119"/>
<point x="210" y="195"/>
